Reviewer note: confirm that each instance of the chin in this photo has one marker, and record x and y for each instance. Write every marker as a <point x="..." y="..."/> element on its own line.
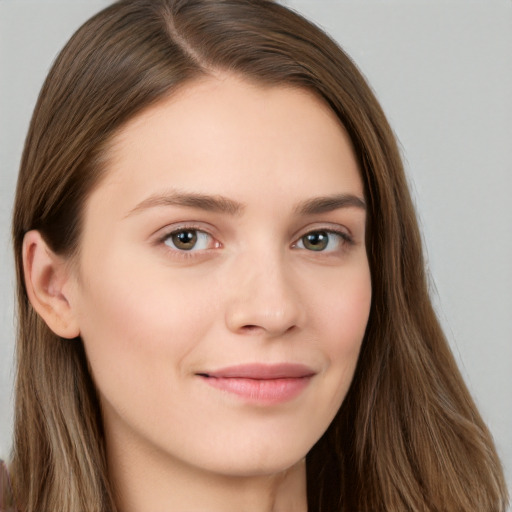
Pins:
<point x="254" y="461"/>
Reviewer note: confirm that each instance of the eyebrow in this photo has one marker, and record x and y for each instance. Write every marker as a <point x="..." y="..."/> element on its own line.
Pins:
<point x="329" y="203"/>
<point x="221" y="204"/>
<point x="215" y="203"/>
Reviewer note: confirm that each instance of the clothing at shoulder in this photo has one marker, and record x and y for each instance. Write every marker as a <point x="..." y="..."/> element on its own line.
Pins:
<point x="6" y="494"/>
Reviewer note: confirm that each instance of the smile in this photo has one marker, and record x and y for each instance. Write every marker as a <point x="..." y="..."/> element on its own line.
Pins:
<point x="258" y="383"/>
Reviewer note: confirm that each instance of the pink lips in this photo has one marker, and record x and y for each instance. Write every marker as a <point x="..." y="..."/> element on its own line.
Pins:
<point x="268" y="384"/>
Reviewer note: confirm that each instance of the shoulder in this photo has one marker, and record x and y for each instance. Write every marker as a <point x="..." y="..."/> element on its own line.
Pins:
<point x="6" y="495"/>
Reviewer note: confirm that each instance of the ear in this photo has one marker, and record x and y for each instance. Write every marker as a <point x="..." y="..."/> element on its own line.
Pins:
<point x="48" y="282"/>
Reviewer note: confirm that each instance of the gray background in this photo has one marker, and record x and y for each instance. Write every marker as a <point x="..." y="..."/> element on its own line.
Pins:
<point x="443" y="73"/>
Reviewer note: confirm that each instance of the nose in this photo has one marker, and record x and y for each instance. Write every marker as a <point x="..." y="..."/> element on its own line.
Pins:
<point x="263" y="298"/>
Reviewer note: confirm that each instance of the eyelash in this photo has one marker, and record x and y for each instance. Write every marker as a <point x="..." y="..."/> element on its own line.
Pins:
<point x="345" y="240"/>
<point x="183" y="229"/>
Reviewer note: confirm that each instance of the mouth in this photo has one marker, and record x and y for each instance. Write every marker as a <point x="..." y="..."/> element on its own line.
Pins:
<point x="261" y="383"/>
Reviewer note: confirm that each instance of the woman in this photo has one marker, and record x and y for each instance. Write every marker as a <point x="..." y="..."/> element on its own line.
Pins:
<point x="222" y="296"/>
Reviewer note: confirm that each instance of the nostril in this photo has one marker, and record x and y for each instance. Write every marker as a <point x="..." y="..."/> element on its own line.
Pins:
<point x="255" y="329"/>
<point x="250" y="328"/>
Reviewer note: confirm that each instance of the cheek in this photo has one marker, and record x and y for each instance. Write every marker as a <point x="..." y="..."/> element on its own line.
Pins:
<point x="340" y="307"/>
<point x="136" y="323"/>
<point x="340" y="324"/>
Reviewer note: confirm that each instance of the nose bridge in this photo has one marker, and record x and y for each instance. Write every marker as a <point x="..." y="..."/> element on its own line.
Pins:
<point x="263" y="294"/>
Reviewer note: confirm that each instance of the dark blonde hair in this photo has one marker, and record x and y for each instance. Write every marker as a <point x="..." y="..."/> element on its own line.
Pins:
<point x="408" y="436"/>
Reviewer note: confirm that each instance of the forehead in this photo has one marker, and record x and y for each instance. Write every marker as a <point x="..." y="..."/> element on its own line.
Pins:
<point x="224" y="134"/>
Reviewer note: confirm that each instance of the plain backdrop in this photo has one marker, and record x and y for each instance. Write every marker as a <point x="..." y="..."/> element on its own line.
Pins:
<point x="443" y="73"/>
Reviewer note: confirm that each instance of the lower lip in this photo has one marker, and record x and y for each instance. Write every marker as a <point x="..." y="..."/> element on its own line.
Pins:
<point x="265" y="391"/>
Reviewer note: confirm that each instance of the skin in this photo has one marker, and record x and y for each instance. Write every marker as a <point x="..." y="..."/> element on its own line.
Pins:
<point x="153" y="316"/>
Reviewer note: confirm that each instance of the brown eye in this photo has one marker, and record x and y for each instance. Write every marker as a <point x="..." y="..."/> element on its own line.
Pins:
<point x="187" y="239"/>
<point x="316" y="241"/>
<point x="323" y="241"/>
<point x="184" y="240"/>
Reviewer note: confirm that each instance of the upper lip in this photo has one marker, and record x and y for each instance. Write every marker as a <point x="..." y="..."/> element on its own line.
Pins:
<point x="260" y="371"/>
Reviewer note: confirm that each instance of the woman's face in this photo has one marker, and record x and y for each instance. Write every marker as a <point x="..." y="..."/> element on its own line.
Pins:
<point x="223" y="287"/>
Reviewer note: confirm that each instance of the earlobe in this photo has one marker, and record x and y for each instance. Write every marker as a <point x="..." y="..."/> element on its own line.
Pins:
<point x="47" y="283"/>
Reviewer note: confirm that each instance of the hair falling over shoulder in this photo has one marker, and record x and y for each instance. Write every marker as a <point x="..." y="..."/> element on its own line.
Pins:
<point x="408" y="436"/>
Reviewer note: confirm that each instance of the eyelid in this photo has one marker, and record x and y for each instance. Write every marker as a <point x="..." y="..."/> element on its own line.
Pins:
<point x="324" y="226"/>
<point x="345" y="239"/>
<point x="163" y="234"/>
<point x="181" y="226"/>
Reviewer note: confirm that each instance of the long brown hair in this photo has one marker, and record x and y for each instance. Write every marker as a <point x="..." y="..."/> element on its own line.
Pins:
<point x="408" y="436"/>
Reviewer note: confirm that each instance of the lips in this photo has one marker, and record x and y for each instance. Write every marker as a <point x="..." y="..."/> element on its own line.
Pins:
<point x="261" y="383"/>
